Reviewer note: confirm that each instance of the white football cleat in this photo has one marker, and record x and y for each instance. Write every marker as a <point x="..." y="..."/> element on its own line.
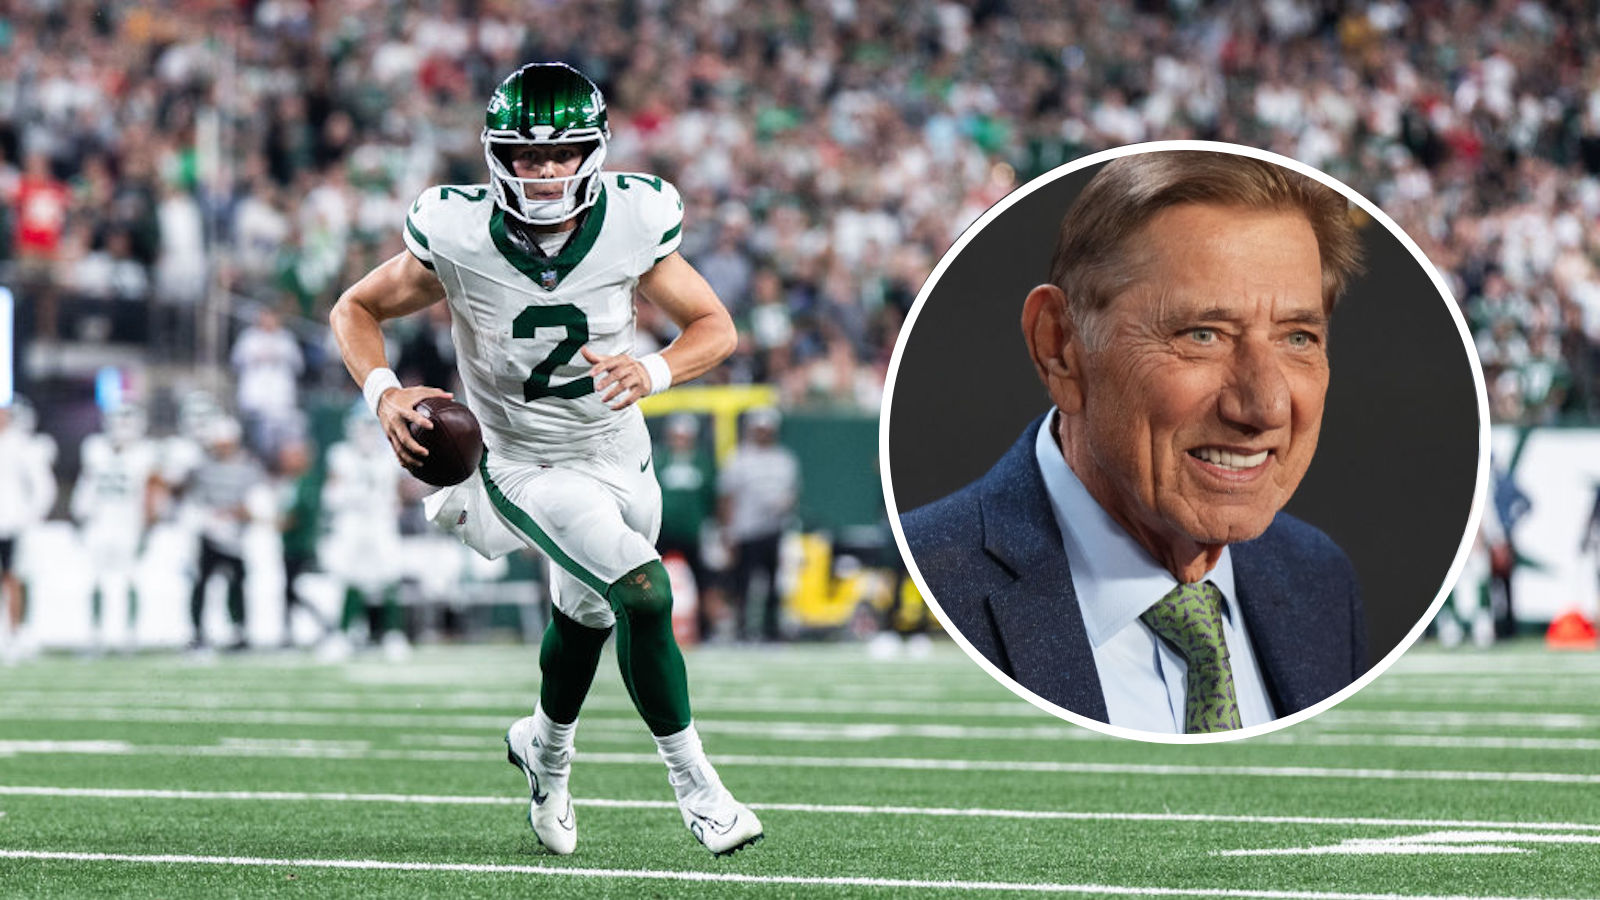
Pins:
<point x="721" y="823"/>
<point x="396" y="648"/>
<point x="550" y="805"/>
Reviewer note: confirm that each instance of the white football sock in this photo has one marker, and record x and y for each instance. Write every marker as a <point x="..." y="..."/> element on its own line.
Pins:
<point x="687" y="767"/>
<point x="555" y="739"/>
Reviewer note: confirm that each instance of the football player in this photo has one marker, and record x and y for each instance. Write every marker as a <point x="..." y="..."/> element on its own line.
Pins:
<point x="362" y="500"/>
<point x="114" y="503"/>
<point x="539" y="267"/>
<point x="28" y="483"/>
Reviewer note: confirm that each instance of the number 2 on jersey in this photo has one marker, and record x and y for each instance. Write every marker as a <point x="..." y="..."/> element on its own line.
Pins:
<point x="561" y="315"/>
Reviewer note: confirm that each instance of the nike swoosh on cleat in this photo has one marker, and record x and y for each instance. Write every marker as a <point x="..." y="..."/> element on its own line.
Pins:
<point x="566" y="820"/>
<point x="533" y="780"/>
<point x="716" y="826"/>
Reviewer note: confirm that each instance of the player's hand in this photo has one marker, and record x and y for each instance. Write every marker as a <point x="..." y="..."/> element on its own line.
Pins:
<point x="620" y="380"/>
<point x="396" y="414"/>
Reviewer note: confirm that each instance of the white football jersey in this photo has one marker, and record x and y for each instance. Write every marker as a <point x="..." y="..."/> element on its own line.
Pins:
<point x="363" y="487"/>
<point x="26" y="480"/>
<point x="520" y="317"/>
<point x="112" y="485"/>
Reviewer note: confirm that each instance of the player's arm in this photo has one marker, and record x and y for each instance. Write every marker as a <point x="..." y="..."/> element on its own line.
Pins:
<point x="397" y="288"/>
<point x="706" y="338"/>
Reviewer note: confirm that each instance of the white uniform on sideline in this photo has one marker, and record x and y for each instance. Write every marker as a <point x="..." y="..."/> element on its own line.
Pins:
<point x="562" y="470"/>
<point x="111" y="502"/>
<point x="361" y="501"/>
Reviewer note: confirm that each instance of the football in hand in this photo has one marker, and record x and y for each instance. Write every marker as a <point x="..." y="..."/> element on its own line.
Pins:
<point x="454" y="443"/>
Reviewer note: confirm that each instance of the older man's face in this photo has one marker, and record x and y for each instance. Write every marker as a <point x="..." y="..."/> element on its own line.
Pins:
<point x="1202" y="404"/>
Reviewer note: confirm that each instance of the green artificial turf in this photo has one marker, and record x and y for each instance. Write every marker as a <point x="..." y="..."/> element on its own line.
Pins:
<point x="890" y="778"/>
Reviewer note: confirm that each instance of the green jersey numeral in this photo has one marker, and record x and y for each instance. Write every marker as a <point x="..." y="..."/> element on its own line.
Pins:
<point x="474" y="197"/>
<point x="623" y="179"/>
<point x="563" y="315"/>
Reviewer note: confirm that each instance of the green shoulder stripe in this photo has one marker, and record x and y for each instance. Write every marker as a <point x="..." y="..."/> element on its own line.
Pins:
<point x="416" y="233"/>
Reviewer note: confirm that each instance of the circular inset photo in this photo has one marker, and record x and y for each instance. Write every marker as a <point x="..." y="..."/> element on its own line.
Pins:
<point x="1184" y="441"/>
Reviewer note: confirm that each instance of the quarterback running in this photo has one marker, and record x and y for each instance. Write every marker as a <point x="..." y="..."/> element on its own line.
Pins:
<point x="539" y="267"/>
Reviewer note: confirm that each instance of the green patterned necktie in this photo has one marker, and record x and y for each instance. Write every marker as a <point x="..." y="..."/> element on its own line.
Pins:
<point x="1190" y="619"/>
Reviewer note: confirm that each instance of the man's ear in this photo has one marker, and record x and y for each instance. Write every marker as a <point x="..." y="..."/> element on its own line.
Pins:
<point x="1054" y="345"/>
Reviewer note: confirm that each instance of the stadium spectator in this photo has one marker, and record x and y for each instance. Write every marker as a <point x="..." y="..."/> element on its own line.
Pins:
<point x="41" y="202"/>
<point x="758" y="487"/>
<point x="268" y="362"/>
<point x="428" y="356"/>
<point x="829" y="143"/>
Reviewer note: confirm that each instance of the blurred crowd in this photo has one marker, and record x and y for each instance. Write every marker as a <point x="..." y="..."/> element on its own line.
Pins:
<point x="156" y="158"/>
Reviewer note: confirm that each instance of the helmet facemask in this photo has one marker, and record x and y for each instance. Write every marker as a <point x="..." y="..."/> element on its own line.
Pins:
<point x="579" y="191"/>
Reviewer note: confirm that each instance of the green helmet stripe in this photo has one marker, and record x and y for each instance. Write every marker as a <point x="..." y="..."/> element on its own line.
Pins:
<point x="551" y="95"/>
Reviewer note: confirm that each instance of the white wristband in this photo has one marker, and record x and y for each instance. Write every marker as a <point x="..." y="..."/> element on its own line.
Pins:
<point x="378" y="381"/>
<point x="660" y="372"/>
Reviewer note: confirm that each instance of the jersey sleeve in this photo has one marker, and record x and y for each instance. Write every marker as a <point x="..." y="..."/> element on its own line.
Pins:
<point x="416" y="229"/>
<point x="663" y="213"/>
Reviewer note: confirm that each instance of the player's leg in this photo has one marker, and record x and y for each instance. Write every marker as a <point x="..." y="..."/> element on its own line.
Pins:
<point x="197" y="597"/>
<point x="743" y="575"/>
<point x="767" y="560"/>
<point x="10" y="587"/>
<point x="233" y="571"/>
<point x="709" y="810"/>
<point x="542" y="745"/>
<point x="647" y="652"/>
<point x="10" y="604"/>
<point x="549" y="509"/>
<point x="575" y="514"/>
<point x="392" y="624"/>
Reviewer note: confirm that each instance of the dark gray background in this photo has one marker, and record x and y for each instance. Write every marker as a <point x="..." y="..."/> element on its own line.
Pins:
<point x="1393" y="477"/>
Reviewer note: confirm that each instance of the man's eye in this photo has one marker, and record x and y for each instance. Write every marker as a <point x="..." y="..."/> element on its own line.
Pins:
<point x="1203" y="335"/>
<point x="1302" y="339"/>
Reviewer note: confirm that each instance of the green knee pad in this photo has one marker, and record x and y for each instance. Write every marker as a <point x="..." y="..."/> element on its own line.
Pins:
<point x="644" y="590"/>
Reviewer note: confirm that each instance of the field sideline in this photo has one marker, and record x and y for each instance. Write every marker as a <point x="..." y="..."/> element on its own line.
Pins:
<point x="1461" y="774"/>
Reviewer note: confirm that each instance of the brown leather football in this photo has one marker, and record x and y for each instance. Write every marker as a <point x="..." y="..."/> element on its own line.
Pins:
<point x="454" y="443"/>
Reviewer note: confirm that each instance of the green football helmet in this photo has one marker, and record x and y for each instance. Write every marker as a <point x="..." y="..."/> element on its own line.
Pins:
<point x="543" y="104"/>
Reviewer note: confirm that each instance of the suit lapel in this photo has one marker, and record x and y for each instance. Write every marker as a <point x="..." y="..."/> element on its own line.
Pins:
<point x="1036" y="616"/>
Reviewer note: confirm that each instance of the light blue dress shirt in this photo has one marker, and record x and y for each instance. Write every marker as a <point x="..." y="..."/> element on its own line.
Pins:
<point x="1116" y="580"/>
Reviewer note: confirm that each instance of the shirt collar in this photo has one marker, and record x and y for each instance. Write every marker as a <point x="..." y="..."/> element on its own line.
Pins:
<point x="1115" y="578"/>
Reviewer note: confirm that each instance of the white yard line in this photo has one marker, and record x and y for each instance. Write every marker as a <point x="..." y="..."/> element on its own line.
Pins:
<point x="303" y="750"/>
<point x="1412" y="718"/>
<point x="822" y="809"/>
<point x="623" y="722"/>
<point x="226" y="700"/>
<point x="1448" y="742"/>
<point x="718" y="877"/>
<point x="1324" y="733"/>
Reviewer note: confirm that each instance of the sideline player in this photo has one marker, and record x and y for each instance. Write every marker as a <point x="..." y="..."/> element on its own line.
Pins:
<point x="114" y="503"/>
<point x="539" y="267"/>
<point x="362" y="499"/>
<point x="28" y="484"/>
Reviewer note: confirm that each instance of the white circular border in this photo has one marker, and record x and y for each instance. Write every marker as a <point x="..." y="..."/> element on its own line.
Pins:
<point x="1378" y="215"/>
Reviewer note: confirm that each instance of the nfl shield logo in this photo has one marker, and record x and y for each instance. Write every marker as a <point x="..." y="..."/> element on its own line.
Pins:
<point x="547" y="279"/>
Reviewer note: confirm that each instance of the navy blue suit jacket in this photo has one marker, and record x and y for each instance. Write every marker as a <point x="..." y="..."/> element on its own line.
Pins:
<point x="992" y="556"/>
